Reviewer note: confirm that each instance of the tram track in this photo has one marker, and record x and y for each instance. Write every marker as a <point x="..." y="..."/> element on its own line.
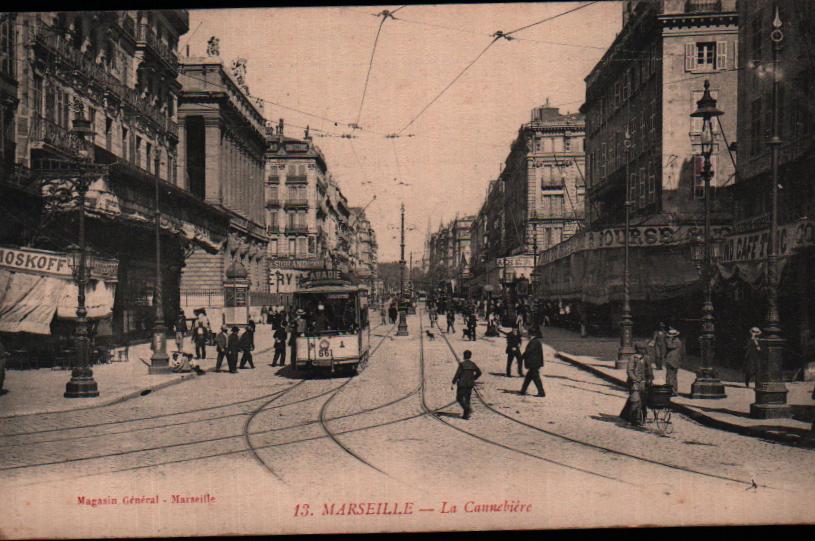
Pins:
<point x="433" y="414"/>
<point x="599" y="448"/>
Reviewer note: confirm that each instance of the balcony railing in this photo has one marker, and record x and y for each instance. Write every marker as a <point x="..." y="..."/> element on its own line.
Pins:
<point x="51" y="133"/>
<point x="149" y="37"/>
<point x="272" y="229"/>
<point x="703" y="6"/>
<point x="296" y="179"/>
<point x="274" y="202"/>
<point x="297" y="203"/>
<point x="296" y="229"/>
<point x="49" y="39"/>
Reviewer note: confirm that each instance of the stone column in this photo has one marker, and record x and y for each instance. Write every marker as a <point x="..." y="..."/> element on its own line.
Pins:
<point x="213" y="189"/>
<point x="181" y="159"/>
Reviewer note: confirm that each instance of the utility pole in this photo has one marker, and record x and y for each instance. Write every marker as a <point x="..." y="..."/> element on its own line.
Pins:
<point x="402" y="329"/>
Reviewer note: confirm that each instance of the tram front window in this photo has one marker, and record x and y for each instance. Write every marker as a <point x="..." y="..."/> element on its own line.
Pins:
<point x="330" y="314"/>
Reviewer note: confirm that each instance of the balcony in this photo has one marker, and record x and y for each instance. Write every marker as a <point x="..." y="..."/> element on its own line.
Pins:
<point x="296" y="203"/>
<point x="51" y="41"/>
<point x="703" y="6"/>
<point x="296" y="229"/>
<point x="44" y="131"/>
<point x="296" y="179"/>
<point x="274" y="202"/>
<point x="149" y="38"/>
<point x="272" y="229"/>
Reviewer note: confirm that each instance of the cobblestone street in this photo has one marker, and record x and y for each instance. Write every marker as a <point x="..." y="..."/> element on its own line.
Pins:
<point x="267" y="444"/>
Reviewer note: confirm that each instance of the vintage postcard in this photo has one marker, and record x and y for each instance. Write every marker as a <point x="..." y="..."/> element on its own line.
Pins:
<point x="406" y="268"/>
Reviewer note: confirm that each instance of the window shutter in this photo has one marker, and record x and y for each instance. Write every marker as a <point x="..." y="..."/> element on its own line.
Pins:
<point x="721" y="55"/>
<point x="690" y="56"/>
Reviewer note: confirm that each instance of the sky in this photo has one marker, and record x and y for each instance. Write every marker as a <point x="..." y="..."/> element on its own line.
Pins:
<point x="310" y="66"/>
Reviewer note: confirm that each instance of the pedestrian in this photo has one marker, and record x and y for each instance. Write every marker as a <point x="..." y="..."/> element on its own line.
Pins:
<point x="640" y="377"/>
<point x="451" y="318"/>
<point x="513" y="351"/>
<point x="392" y="312"/>
<point x="180" y="331"/>
<point x="204" y="320"/>
<point x="673" y="359"/>
<point x="660" y="349"/>
<point x="382" y="315"/>
<point x="264" y="313"/>
<point x="221" y="341"/>
<point x="247" y="344"/>
<point x="752" y="357"/>
<point x="533" y="359"/>
<point x="465" y="377"/>
<point x="199" y="336"/>
<point x="279" y="346"/>
<point x="232" y="349"/>
<point x="472" y="325"/>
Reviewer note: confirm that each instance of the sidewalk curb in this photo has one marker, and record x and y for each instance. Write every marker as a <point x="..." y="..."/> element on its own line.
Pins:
<point x="112" y="401"/>
<point x="696" y="415"/>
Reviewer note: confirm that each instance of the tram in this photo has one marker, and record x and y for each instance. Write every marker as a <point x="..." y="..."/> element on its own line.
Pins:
<point x="335" y="331"/>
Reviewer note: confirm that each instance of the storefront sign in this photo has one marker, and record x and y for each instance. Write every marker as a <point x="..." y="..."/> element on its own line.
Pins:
<point x="641" y="236"/>
<point x="754" y="246"/>
<point x="53" y="263"/>
<point x="311" y="263"/>
<point x="285" y="280"/>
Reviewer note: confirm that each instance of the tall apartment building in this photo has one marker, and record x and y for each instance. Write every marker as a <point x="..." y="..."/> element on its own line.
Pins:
<point x="117" y="69"/>
<point x="643" y="91"/>
<point x="744" y="253"/>
<point x="536" y="202"/>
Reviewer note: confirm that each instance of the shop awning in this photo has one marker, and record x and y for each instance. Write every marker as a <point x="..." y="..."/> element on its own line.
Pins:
<point x="29" y="302"/>
<point x="596" y="276"/>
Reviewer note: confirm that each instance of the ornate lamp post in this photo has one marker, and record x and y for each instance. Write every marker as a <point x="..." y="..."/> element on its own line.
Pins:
<point x="159" y="361"/>
<point x="402" y="330"/>
<point x="82" y="384"/>
<point x="771" y="392"/>
<point x="707" y="385"/>
<point x="626" y="349"/>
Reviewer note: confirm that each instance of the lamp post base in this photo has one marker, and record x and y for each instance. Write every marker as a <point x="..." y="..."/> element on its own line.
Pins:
<point x="159" y="361"/>
<point x="707" y="385"/>
<point x="623" y="356"/>
<point x="81" y="385"/>
<point x="402" y="329"/>
<point x="771" y="401"/>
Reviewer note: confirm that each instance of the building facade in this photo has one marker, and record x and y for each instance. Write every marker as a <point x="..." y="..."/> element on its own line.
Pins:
<point x="118" y="70"/>
<point x="222" y="149"/>
<point x="744" y="253"/>
<point x="642" y="147"/>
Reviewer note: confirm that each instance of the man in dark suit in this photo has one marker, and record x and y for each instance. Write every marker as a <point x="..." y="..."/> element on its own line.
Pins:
<point x="533" y="359"/>
<point x="247" y="344"/>
<point x="279" y="346"/>
<point x="465" y="378"/>
<point x="232" y="349"/>
<point x="513" y="350"/>
<point x="221" y="342"/>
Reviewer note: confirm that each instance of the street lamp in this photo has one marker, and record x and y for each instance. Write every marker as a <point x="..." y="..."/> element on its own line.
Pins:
<point x="402" y="330"/>
<point x="771" y="392"/>
<point x="626" y="349"/>
<point x="81" y="384"/>
<point x="707" y="385"/>
<point x="159" y="361"/>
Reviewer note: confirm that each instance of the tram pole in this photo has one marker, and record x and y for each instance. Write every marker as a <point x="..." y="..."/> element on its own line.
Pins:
<point x="402" y="330"/>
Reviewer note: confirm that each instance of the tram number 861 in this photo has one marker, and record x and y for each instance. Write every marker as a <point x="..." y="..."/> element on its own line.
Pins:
<point x="325" y="353"/>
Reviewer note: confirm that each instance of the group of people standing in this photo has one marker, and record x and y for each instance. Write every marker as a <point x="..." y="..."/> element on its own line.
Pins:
<point x="228" y="345"/>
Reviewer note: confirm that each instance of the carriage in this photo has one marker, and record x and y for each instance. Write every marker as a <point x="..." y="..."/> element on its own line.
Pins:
<point x="337" y="331"/>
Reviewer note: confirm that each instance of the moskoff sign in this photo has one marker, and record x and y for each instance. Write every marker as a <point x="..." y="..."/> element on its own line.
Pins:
<point x="51" y="263"/>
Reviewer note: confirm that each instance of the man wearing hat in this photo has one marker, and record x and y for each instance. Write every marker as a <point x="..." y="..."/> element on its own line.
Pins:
<point x="465" y="378"/>
<point x="659" y="345"/>
<point x="673" y="359"/>
<point x="221" y="341"/>
<point x="279" y="346"/>
<point x="640" y="377"/>
<point x="232" y="349"/>
<point x="752" y="357"/>
<point x="533" y="359"/>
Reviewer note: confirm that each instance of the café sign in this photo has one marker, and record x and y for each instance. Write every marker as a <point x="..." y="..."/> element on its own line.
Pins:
<point x="754" y="246"/>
